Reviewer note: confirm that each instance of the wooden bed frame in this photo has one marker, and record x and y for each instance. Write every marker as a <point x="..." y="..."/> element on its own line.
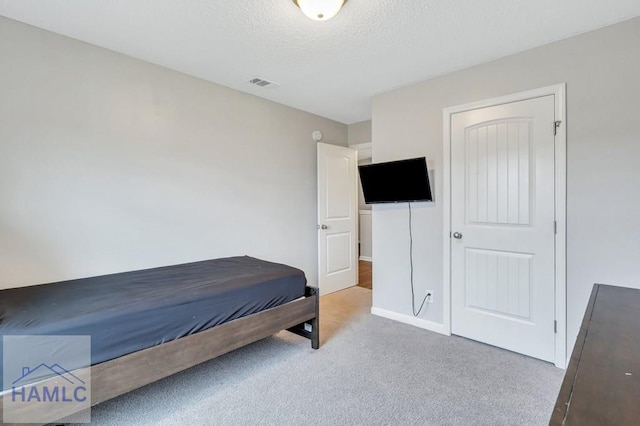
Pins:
<point x="124" y="374"/>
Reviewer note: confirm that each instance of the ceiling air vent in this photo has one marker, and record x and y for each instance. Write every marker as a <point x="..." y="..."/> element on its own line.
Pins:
<point x="262" y="83"/>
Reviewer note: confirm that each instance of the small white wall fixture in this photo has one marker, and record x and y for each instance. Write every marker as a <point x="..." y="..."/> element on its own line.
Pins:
<point x="559" y="93"/>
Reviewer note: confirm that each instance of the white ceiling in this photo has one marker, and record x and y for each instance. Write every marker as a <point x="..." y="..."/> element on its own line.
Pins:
<point x="328" y="68"/>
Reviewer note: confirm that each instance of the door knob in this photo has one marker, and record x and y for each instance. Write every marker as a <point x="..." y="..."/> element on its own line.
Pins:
<point x="324" y="227"/>
<point x="457" y="235"/>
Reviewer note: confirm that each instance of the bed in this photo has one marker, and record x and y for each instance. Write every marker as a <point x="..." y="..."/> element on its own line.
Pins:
<point x="146" y="325"/>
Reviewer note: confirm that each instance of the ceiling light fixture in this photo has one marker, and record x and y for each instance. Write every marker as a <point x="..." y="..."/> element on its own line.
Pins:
<point x="320" y="10"/>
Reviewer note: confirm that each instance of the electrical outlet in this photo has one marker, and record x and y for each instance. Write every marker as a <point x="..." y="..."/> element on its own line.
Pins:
<point x="430" y="298"/>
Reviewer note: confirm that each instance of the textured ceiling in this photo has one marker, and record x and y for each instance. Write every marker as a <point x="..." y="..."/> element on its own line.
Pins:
<point x="328" y="68"/>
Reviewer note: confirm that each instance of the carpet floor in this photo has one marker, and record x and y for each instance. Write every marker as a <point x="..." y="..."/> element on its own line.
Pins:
<point x="368" y="371"/>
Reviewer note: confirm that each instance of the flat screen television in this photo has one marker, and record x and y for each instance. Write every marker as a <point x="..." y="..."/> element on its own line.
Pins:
<point x="396" y="181"/>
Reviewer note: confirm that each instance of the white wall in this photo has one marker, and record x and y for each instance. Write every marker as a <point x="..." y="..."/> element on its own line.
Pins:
<point x="602" y="72"/>
<point x="109" y="164"/>
<point x="365" y="220"/>
<point x="358" y="133"/>
<point x="366" y="250"/>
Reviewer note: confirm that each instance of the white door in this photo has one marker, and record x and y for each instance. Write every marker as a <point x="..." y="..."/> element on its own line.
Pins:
<point x="337" y="218"/>
<point x="503" y="226"/>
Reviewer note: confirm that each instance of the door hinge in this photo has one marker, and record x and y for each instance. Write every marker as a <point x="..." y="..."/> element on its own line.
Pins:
<point x="556" y="124"/>
<point x="555" y="227"/>
<point x="555" y="326"/>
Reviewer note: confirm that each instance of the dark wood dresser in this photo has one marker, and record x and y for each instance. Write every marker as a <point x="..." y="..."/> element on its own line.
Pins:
<point x="602" y="382"/>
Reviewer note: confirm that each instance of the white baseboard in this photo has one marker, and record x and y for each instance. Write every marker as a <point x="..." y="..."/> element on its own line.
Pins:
<point x="366" y="258"/>
<point x="417" y="322"/>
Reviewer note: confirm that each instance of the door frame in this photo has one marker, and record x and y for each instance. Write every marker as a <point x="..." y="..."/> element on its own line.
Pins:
<point x="559" y="92"/>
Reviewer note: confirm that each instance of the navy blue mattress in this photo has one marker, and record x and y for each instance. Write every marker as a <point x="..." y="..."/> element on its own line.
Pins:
<point x="131" y="311"/>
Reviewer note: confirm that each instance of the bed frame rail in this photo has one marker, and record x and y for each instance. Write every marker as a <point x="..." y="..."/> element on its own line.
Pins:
<point x="310" y="329"/>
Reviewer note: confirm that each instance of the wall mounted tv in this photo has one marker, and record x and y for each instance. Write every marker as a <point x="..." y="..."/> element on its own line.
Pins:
<point x="396" y="181"/>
